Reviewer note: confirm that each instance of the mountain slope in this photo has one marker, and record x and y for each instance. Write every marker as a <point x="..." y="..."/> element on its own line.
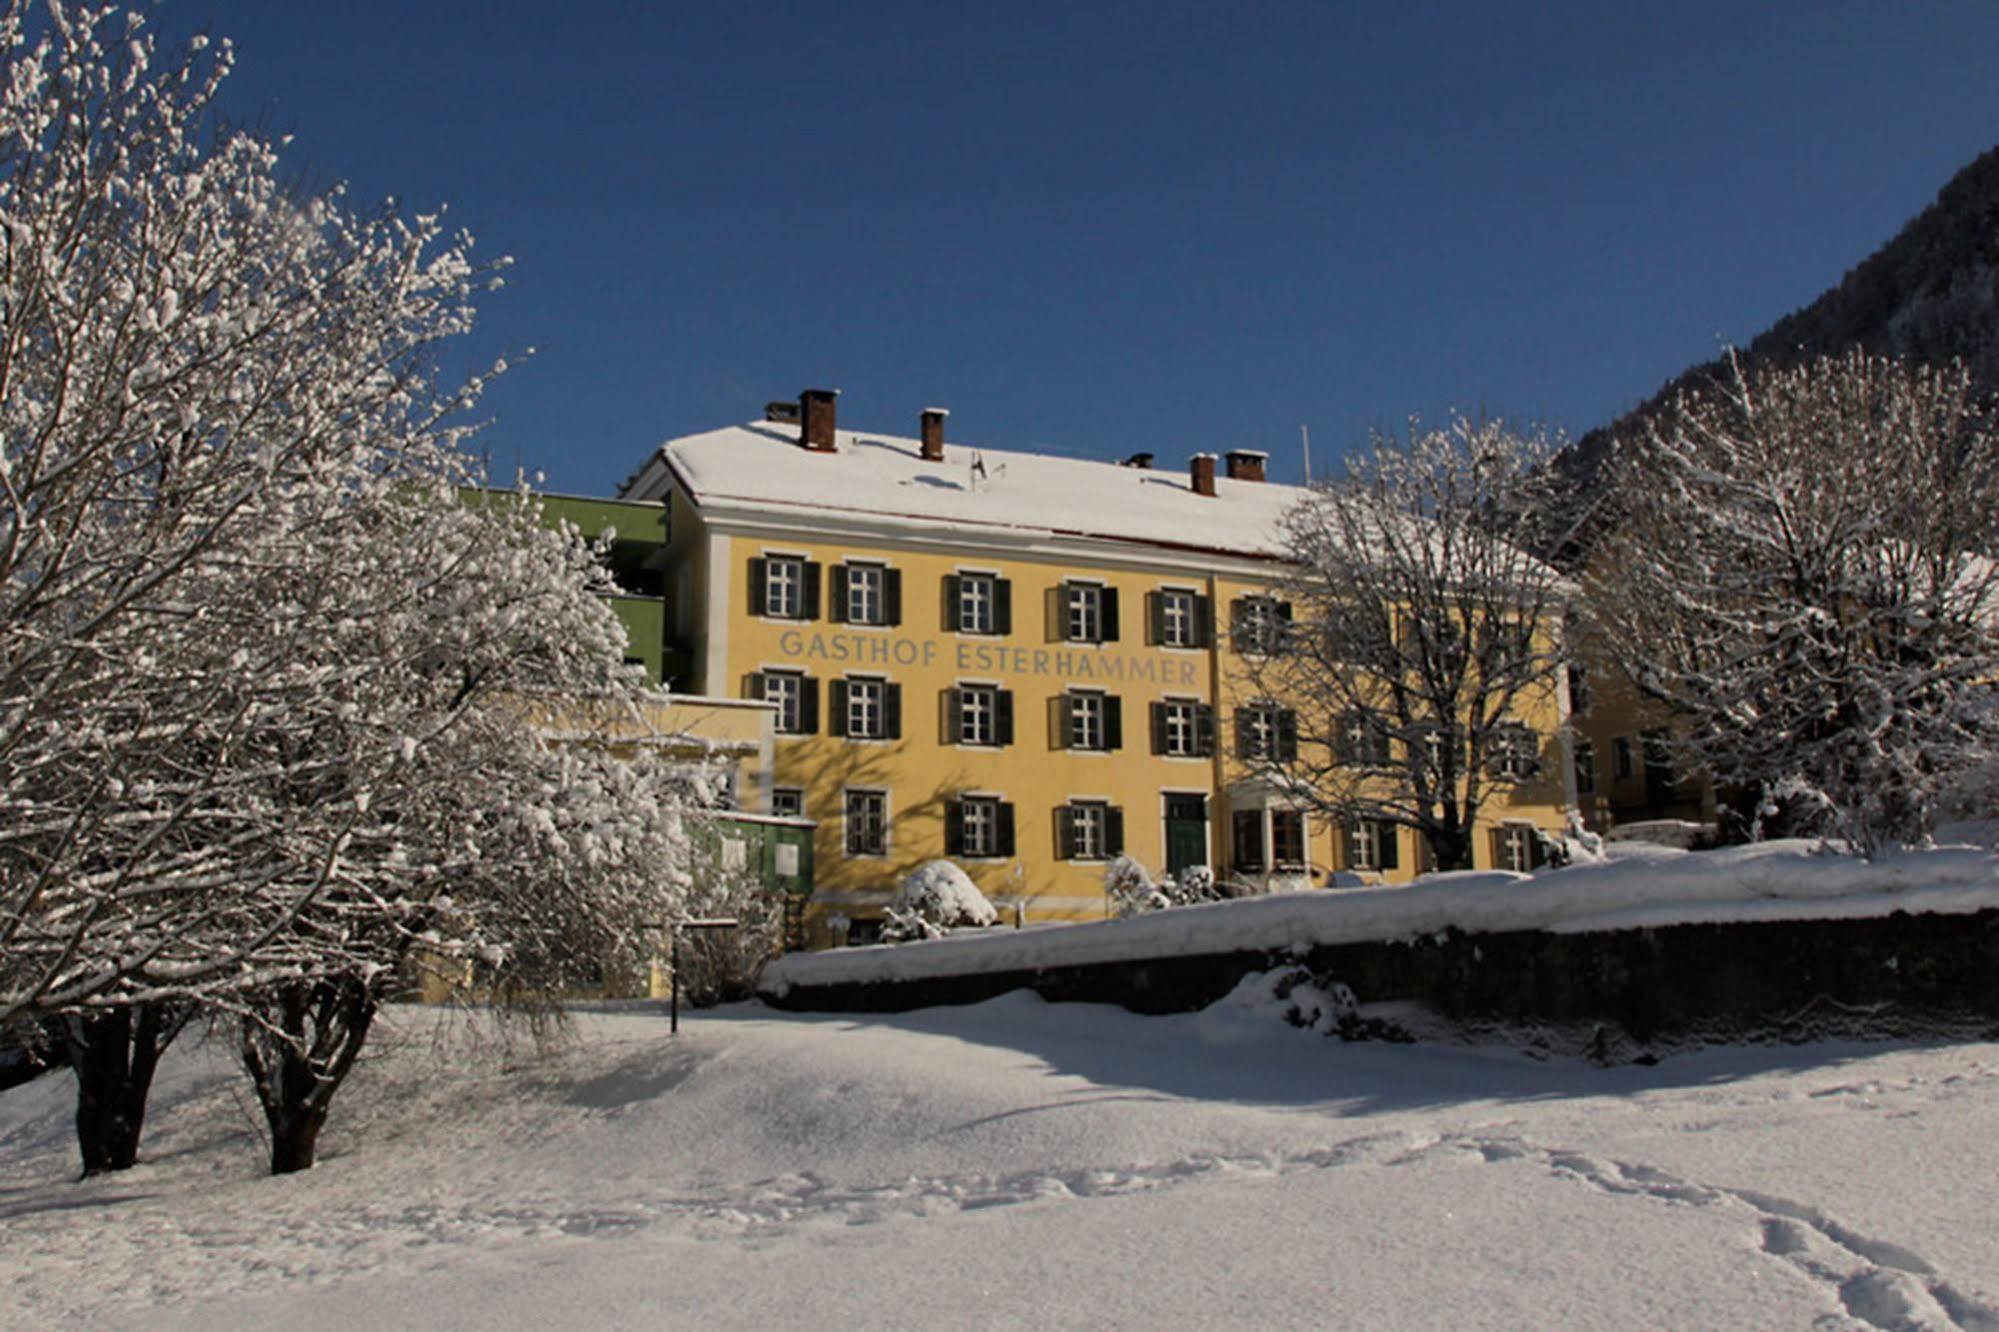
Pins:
<point x="1931" y="293"/>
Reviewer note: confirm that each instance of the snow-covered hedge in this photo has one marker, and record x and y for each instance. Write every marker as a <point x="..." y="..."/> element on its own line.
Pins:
<point x="1794" y="880"/>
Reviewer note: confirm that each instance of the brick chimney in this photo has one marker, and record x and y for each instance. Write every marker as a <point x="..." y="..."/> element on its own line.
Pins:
<point x="933" y="433"/>
<point x="1201" y="471"/>
<point x="815" y="412"/>
<point x="1246" y="464"/>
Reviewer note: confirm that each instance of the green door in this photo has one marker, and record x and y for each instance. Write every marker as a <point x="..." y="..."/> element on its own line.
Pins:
<point x="1186" y="832"/>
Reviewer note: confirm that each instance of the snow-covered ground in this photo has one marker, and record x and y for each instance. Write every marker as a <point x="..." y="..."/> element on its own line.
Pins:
<point x="1019" y="1163"/>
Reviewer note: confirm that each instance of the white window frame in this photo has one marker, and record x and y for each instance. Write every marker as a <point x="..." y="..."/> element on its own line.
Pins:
<point x="784" y="587"/>
<point x="1181" y="727"/>
<point x="1516" y="847"/>
<point x="1261" y="625"/>
<point x="1086" y="719"/>
<point x="1176" y="617"/>
<point x="847" y="822"/>
<point x="978" y="826"/>
<point x="867" y="594"/>
<point x="978" y="601"/>
<point x="1089" y="829"/>
<point x="790" y="700"/>
<point x="1515" y="753"/>
<point x="978" y="715"/>
<point x="1085" y="610"/>
<point x="787" y="795"/>
<point x="1366" y="843"/>
<point x="1261" y="719"/>
<point x="867" y="707"/>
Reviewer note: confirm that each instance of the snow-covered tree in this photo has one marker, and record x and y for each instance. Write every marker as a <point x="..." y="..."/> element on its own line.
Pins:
<point x="1415" y="642"/>
<point x="1804" y="571"/>
<point x="275" y="707"/>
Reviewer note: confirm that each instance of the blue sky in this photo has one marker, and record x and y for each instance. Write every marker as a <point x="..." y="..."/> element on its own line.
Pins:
<point x="1095" y="229"/>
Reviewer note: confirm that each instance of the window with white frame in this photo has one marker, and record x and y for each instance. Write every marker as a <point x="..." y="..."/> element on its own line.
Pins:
<point x="976" y="599"/>
<point x="1371" y="845"/>
<point x="979" y="826"/>
<point x="1585" y="767"/>
<point x="1514" y="753"/>
<point x="867" y="594"/>
<point x="1085" y="613"/>
<point x="1363" y="740"/>
<point x="978" y="715"/>
<point x="866" y="715"/>
<point x="1086" y="721"/>
<point x="1181" y="733"/>
<point x="1089" y="831"/>
<point x="867" y="823"/>
<point x="1178" y="626"/>
<point x="1260" y="625"/>
<point x="784" y="587"/>
<point x="1266" y="732"/>
<point x="1517" y="847"/>
<point x="787" y="802"/>
<point x="786" y="689"/>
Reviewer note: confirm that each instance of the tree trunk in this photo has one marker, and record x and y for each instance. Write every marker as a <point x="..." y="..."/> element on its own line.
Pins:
<point x="115" y="1053"/>
<point x="1451" y="847"/>
<point x="298" y="1049"/>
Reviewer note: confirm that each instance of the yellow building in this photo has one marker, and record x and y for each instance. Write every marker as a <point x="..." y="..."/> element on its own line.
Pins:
<point x="1024" y="663"/>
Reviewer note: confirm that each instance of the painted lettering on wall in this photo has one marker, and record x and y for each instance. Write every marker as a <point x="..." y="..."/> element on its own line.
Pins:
<point x="986" y="658"/>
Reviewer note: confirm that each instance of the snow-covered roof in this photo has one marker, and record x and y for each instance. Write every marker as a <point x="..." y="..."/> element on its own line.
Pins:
<point x="760" y="469"/>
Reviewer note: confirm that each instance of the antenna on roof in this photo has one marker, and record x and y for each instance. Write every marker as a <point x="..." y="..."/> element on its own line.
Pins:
<point x="1306" y="436"/>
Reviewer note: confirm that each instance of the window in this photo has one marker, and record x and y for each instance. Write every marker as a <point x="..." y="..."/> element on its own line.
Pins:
<point x="867" y="707"/>
<point x="1246" y="841"/>
<point x="980" y="715"/>
<point x="867" y="823"/>
<point x="978" y="827"/>
<point x="1578" y="687"/>
<point x="1266" y="732"/>
<point x="1260" y="625"/>
<point x="796" y="696"/>
<point x="1585" y="768"/>
<point x="867" y="594"/>
<point x="978" y="603"/>
<point x="1514" y="753"/>
<point x="1516" y="847"/>
<point x="1180" y="618"/>
<point x="787" y="802"/>
<point x="1287" y="839"/>
<point x="1372" y="844"/>
<point x="1091" y="720"/>
<point x="785" y="587"/>
<point x="1440" y="744"/>
<point x="1362" y="740"/>
<point x="1621" y="766"/>
<point x="1183" y="728"/>
<point x="1089" y="830"/>
<point x="1088" y="613"/>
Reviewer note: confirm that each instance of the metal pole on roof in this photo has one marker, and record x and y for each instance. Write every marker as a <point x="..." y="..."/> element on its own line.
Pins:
<point x="1306" y="436"/>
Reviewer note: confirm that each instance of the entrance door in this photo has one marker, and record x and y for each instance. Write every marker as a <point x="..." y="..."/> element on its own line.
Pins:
<point x="1186" y="832"/>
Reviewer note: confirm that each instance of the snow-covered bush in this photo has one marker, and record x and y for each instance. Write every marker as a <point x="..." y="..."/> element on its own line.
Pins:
<point x="1130" y="890"/>
<point x="936" y="897"/>
<point x="1195" y="884"/>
